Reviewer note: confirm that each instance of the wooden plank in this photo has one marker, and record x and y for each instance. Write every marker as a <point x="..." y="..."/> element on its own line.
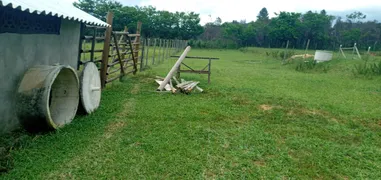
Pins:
<point x="120" y="33"/>
<point x="106" y="50"/>
<point x="114" y="78"/>
<point x="113" y="71"/>
<point x="167" y="87"/>
<point x="89" y="51"/>
<point x="119" y="56"/>
<point x="136" y="35"/>
<point x="197" y="57"/>
<point x="195" y="72"/>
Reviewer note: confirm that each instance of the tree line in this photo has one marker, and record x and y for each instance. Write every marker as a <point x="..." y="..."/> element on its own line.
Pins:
<point x="324" y="31"/>
<point x="155" y="23"/>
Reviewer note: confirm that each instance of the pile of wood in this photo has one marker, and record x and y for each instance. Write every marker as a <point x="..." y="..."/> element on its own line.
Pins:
<point x="183" y="86"/>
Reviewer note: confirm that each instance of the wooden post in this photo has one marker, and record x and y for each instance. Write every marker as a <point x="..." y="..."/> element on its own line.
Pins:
<point x="210" y="64"/>
<point x="284" y="55"/>
<point x="166" y="49"/>
<point x="308" y="44"/>
<point x="106" y="50"/>
<point x="124" y="49"/>
<point x="357" y="51"/>
<point x="147" y="48"/>
<point x="342" y="52"/>
<point x="81" y="36"/>
<point x="142" y="55"/>
<point x="137" y="43"/>
<point x="162" y="56"/>
<point x="93" y="45"/>
<point x="159" y="54"/>
<point x="154" y="52"/>
<point x="169" y="47"/>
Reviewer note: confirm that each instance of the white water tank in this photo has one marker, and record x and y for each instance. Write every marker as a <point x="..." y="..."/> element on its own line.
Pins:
<point x="321" y="56"/>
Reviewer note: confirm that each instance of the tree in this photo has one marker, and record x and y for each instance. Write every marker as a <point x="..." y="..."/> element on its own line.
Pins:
<point x="263" y="15"/>
<point x="287" y="26"/>
<point x="356" y="16"/>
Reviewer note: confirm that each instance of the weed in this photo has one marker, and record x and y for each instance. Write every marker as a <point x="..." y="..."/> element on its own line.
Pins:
<point x="309" y="65"/>
<point x="367" y="69"/>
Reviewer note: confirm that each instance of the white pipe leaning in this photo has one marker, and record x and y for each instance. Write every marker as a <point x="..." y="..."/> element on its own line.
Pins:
<point x="174" y="69"/>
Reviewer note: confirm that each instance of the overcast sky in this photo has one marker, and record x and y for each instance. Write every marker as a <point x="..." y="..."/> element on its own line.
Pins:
<point x="229" y="10"/>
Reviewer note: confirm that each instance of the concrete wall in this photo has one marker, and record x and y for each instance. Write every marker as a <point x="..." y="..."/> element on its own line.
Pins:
<point x="18" y="52"/>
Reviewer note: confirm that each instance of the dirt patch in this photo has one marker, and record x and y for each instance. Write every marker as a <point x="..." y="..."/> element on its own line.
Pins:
<point x="241" y="100"/>
<point x="114" y="127"/>
<point x="135" y="89"/>
<point x="209" y="175"/>
<point x="266" y="107"/>
<point x="260" y="163"/>
<point x="128" y="109"/>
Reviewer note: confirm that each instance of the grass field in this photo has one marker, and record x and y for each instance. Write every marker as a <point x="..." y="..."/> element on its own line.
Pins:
<point x="257" y="119"/>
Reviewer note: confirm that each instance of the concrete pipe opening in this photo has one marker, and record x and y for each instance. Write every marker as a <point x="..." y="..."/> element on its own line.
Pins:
<point x="48" y="97"/>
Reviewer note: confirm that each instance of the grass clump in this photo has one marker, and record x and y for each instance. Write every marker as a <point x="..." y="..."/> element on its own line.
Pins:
<point x="312" y="65"/>
<point x="367" y="69"/>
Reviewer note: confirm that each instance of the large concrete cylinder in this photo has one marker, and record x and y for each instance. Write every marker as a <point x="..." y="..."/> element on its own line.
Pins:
<point x="47" y="97"/>
<point x="90" y="88"/>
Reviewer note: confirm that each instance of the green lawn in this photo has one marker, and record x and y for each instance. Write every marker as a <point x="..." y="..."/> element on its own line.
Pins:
<point x="257" y="119"/>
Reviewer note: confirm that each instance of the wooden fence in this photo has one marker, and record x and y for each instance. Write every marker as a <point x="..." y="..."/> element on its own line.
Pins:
<point x="119" y="53"/>
<point x="155" y="51"/>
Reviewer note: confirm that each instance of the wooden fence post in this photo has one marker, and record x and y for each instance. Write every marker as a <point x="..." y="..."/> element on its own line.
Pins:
<point x="154" y="52"/>
<point x="162" y="56"/>
<point x="106" y="50"/>
<point x="142" y="54"/>
<point x="159" y="55"/>
<point x="147" y="47"/>
<point x="137" y="43"/>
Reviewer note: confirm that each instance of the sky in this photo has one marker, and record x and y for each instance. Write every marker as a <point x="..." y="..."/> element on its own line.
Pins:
<point x="229" y="10"/>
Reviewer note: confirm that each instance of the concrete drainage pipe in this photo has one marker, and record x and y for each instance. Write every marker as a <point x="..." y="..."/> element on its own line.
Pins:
<point x="47" y="97"/>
